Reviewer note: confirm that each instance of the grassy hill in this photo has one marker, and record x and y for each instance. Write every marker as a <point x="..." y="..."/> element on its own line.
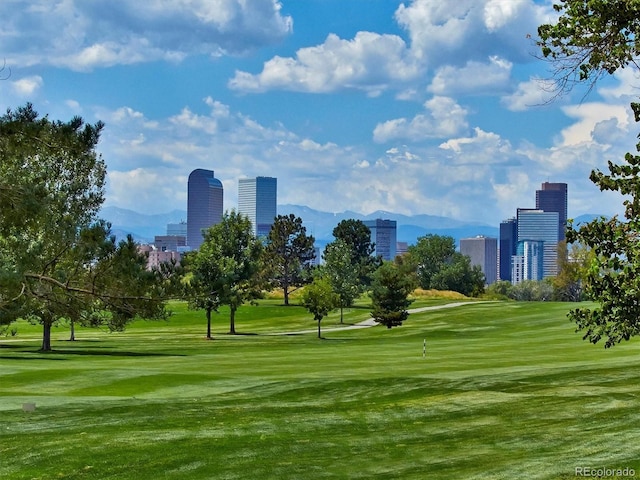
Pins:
<point x="506" y="390"/>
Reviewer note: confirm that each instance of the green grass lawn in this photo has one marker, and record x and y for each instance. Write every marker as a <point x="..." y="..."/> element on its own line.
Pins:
<point x="507" y="390"/>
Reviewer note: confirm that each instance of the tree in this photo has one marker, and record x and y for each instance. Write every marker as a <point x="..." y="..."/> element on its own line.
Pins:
<point x="225" y="268"/>
<point x="429" y="255"/>
<point x="357" y="236"/>
<point x="57" y="259"/>
<point x="502" y="289"/>
<point x="573" y="265"/>
<point x="319" y="298"/>
<point x="389" y="295"/>
<point x="592" y="38"/>
<point x="613" y="277"/>
<point x="532" y="291"/>
<point x="289" y="252"/>
<point x="457" y="274"/>
<point x="343" y="275"/>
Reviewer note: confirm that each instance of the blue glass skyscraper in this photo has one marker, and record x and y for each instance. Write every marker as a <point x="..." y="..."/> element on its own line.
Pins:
<point x="553" y="198"/>
<point x="534" y="224"/>
<point x="204" y="205"/>
<point x="508" y="243"/>
<point x="383" y="235"/>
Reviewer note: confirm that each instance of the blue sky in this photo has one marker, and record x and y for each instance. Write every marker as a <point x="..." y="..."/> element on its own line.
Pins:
<point x="414" y="107"/>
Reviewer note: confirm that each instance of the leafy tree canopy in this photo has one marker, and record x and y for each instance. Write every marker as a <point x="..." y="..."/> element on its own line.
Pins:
<point x="343" y="275"/>
<point x="429" y="255"/>
<point x="613" y="277"/>
<point x="357" y="236"/>
<point x="591" y="38"/>
<point x="458" y="275"/>
<point x="57" y="259"/>
<point x="319" y="299"/>
<point x="225" y="269"/>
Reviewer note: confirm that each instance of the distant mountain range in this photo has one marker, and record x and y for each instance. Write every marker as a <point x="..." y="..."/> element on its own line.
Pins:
<point x="320" y="224"/>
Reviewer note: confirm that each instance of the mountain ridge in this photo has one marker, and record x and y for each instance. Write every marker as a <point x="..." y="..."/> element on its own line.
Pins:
<point x="143" y="227"/>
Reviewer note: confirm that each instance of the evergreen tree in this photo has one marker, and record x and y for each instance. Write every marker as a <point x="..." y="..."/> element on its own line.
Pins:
<point x="389" y="295"/>
<point x="288" y="254"/>
<point x="57" y="259"/>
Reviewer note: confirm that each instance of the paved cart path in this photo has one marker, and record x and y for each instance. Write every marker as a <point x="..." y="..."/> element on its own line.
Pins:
<point x="370" y="322"/>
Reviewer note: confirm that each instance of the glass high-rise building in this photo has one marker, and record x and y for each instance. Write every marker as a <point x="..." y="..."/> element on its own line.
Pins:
<point x="553" y="198"/>
<point x="508" y="244"/>
<point x="538" y="225"/>
<point x="483" y="251"/>
<point x="204" y="205"/>
<point x="258" y="199"/>
<point x="527" y="264"/>
<point x="384" y="236"/>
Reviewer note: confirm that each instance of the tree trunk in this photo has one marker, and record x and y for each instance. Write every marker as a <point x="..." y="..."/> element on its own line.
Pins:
<point x="46" y="336"/>
<point x="208" y="324"/>
<point x="285" y="289"/>
<point x="232" y="325"/>
<point x="319" y="334"/>
<point x="72" y="336"/>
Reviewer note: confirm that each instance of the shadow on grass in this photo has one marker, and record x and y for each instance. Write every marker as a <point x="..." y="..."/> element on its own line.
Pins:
<point x="56" y="354"/>
<point x="339" y="339"/>
<point x="11" y="357"/>
<point x="114" y="353"/>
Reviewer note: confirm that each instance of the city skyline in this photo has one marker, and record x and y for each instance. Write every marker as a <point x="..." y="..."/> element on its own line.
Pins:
<point x="401" y="106"/>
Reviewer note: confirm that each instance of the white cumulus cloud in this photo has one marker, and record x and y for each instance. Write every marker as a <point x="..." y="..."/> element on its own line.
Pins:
<point x="369" y="62"/>
<point x="27" y="86"/>
<point x="473" y="77"/>
<point x="83" y="35"/>
<point x="443" y="118"/>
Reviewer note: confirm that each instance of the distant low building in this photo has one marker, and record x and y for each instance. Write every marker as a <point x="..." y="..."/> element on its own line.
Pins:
<point x="169" y="243"/>
<point x="177" y="229"/>
<point x="156" y="257"/>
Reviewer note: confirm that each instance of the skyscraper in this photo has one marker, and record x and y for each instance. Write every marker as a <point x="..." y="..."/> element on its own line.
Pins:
<point x="204" y="205"/>
<point x="483" y="252"/>
<point x="527" y="264"/>
<point x="257" y="199"/>
<point x="534" y="224"/>
<point x="553" y="198"/>
<point x="383" y="234"/>
<point x="508" y="244"/>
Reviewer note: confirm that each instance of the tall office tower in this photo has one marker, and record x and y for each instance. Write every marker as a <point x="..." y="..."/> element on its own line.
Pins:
<point x="204" y="205"/>
<point x="534" y="224"/>
<point x="483" y="251"/>
<point x="553" y="198"/>
<point x="508" y="244"/>
<point x="527" y="263"/>
<point x="383" y="234"/>
<point x="257" y="199"/>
